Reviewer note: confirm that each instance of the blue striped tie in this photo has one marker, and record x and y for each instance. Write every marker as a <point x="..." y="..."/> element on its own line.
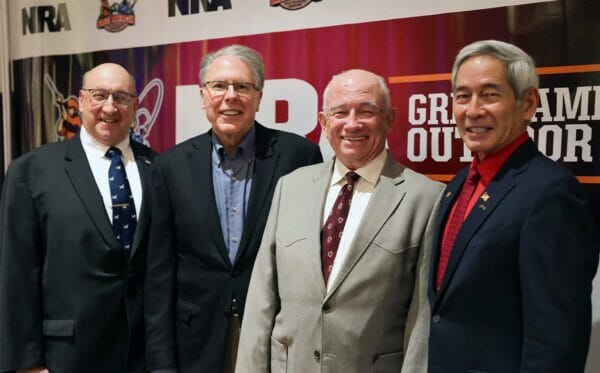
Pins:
<point x="123" y="207"/>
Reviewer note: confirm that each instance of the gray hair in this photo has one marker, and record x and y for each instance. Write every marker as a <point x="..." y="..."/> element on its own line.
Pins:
<point x="520" y="67"/>
<point x="380" y="80"/>
<point x="251" y="57"/>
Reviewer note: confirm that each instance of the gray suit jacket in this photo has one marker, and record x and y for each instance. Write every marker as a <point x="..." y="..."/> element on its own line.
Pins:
<point x="292" y="323"/>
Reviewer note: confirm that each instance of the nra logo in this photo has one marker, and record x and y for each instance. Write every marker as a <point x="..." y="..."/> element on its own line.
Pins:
<point x="44" y="18"/>
<point x="185" y="7"/>
<point x="292" y="4"/>
<point x="116" y="17"/>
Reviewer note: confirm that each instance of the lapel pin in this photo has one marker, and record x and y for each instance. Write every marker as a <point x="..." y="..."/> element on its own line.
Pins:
<point x="448" y="194"/>
<point x="485" y="196"/>
<point x="147" y="161"/>
<point x="482" y="207"/>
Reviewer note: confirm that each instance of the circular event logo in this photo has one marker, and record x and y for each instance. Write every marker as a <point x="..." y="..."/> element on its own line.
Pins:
<point x="294" y="4"/>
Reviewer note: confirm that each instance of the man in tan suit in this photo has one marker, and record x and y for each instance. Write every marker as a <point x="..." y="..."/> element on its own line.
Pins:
<point x="342" y="308"/>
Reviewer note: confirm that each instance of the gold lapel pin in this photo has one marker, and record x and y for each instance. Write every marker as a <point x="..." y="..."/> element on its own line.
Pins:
<point x="448" y="194"/>
<point x="482" y="207"/>
<point x="485" y="196"/>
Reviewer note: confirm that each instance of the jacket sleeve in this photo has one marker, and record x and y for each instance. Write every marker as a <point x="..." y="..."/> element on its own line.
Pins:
<point x="159" y="287"/>
<point x="21" y="261"/>
<point x="557" y="262"/>
<point x="416" y="333"/>
<point x="263" y="301"/>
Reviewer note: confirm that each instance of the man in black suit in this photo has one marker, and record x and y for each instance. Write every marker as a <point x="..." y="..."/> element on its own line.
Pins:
<point x="70" y="289"/>
<point x="513" y="260"/>
<point x="213" y="194"/>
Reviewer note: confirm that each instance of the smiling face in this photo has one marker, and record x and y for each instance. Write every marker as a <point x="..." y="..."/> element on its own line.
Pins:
<point x="230" y="114"/>
<point x="108" y="123"/>
<point x="357" y="119"/>
<point x="487" y="113"/>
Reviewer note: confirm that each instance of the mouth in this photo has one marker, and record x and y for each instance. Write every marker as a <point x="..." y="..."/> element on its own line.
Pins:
<point x="230" y="112"/>
<point x="353" y="138"/>
<point x="108" y="120"/>
<point x="478" y="130"/>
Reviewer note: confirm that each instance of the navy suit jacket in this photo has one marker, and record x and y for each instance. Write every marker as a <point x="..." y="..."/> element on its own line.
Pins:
<point x="516" y="296"/>
<point x="191" y="281"/>
<point x="70" y="297"/>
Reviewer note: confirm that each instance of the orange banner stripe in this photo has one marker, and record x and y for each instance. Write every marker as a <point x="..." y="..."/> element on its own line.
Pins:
<point x="571" y="69"/>
<point x="582" y="179"/>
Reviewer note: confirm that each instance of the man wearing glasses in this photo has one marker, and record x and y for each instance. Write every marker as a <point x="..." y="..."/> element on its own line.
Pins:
<point x="213" y="194"/>
<point x="72" y="270"/>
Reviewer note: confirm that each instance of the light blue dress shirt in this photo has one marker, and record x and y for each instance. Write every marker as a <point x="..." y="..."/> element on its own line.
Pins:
<point x="232" y="180"/>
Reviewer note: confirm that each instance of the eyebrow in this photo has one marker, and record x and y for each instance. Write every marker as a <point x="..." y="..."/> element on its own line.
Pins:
<point x="484" y="86"/>
<point x="360" y="104"/>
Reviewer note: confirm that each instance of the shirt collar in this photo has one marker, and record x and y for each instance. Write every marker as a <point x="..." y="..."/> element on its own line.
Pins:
<point x="491" y="164"/>
<point x="98" y="149"/>
<point x="370" y="172"/>
<point x="245" y="148"/>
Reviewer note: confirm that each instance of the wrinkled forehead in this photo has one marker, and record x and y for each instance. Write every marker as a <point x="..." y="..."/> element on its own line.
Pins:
<point x="353" y="93"/>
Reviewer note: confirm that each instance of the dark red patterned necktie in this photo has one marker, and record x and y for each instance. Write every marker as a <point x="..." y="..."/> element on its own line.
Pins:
<point x="334" y="226"/>
<point x="454" y="224"/>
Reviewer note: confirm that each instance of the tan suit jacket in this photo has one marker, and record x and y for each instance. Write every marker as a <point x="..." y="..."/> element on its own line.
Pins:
<point x="292" y="323"/>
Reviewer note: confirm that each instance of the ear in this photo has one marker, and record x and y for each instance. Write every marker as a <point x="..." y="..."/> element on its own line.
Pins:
<point x="391" y="117"/>
<point x="80" y="99"/>
<point x="202" y="93"/>
<point x="530" y="102"/>
<point x="323" y="122"/>
<point x="260" y="95"/>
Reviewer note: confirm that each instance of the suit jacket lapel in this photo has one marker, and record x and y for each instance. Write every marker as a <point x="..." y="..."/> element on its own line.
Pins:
<point x="265" y="164"/>
<point x="80" y="175"/>
<point x="503" y="182"/>
<point x="450" y="193"/>
<point x="313" y="218"/>
<point x="144" y="165"/>
<point x="200" y="163"/>
<point x="386" y="197"/>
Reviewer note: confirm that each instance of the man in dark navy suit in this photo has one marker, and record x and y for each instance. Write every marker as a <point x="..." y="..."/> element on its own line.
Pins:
<point x="70" y="285"/>
<point x="213" y="194"/>
<point x="516" y="246"/>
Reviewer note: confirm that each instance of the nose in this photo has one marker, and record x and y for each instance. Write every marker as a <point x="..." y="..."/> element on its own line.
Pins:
<point x="352" y="121"/>
<point x="109" y="103"/>
<point x="230" y="92"/>
<point x="474" y="107"/>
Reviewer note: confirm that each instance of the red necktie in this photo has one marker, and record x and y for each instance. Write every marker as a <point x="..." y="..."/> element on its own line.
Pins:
<point x="334" y="225"/>
<point x="454" y="224"/>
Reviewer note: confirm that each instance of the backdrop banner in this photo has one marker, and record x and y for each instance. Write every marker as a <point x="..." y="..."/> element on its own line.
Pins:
<point x="411" y="44"/>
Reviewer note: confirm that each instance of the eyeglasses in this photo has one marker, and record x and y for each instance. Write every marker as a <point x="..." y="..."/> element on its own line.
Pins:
<point x="363" y="113"/>
<point x="99" y="97"/>
<point x="219" y="88"/>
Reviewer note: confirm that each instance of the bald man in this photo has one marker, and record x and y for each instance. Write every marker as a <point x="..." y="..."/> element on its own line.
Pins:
<point x="344" y="250"/>
<point x="71" y="273"/>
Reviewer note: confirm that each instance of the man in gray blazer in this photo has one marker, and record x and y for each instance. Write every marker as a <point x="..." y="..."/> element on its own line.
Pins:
<point x="314" y="307"/>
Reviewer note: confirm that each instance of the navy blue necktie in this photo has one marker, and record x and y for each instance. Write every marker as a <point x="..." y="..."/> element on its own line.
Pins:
<point x="123" y="207"/>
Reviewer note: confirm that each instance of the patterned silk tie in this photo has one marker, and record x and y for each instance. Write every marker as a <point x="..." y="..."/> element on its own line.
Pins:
<point x="334" y="226"/>
<point x="123" y="208"/>
<point x="454" y="224"/>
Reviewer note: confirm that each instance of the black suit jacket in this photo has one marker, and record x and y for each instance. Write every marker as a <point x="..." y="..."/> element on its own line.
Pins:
<point x="70" y="298"/>
<point x="516" y="296"/>
<point x="190" y="280"/>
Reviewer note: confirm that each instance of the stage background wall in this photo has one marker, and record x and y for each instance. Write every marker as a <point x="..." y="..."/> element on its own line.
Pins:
<point x="411" y="44"/>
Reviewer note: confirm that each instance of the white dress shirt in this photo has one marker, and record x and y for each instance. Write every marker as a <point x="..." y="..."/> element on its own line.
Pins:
<point x="363" y="189"/>
<point x="99" y="164"/>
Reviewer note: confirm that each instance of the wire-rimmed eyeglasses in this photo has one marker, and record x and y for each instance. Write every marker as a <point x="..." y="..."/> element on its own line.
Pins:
<point x="98" y="96"/>
<point x="219" y="88"/>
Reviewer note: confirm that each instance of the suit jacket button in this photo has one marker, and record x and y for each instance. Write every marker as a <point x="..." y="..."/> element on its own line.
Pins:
<point x="326" y="308"/>
<point x="317" y="355"/>
<point x="435" y="319"/>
